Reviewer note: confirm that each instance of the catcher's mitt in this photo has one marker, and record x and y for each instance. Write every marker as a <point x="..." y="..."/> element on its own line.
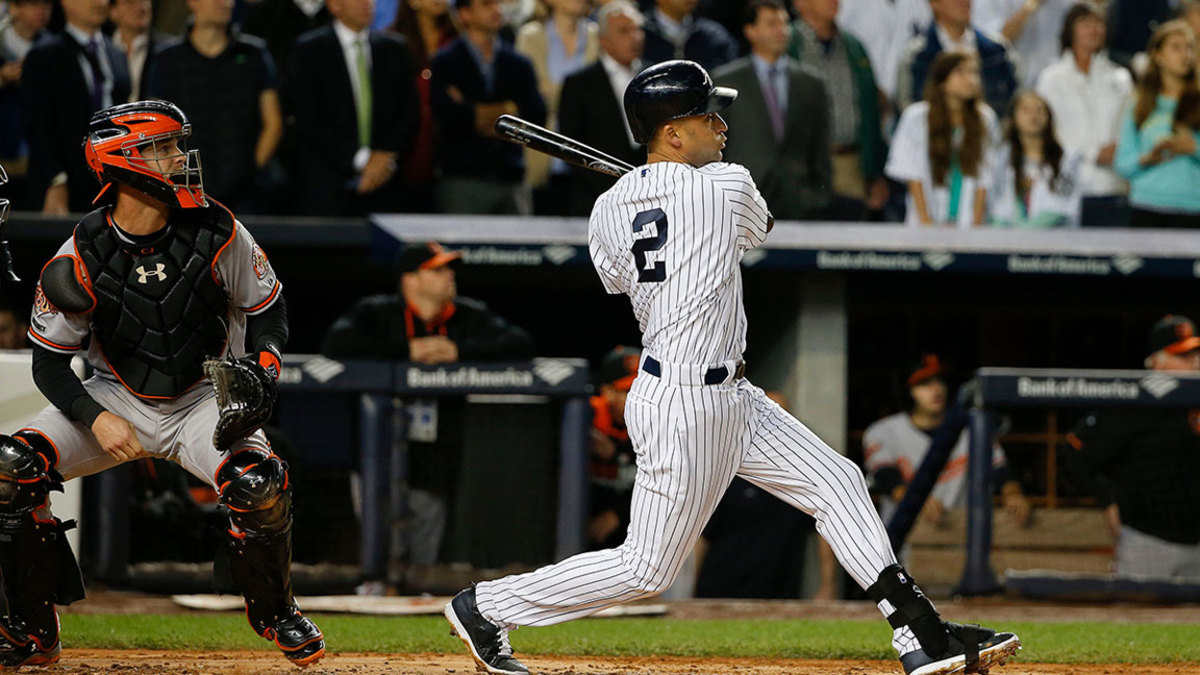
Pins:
<point x="246" y="395"/>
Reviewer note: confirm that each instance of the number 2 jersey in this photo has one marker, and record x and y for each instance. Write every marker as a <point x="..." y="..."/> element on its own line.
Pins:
<point x="671" y="237"/>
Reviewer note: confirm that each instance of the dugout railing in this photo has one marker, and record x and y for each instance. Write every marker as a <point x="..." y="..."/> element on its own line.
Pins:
<point x="995" y="389"/>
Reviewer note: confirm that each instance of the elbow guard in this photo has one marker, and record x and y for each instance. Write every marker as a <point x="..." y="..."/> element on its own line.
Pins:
<point x="65" y="285"/>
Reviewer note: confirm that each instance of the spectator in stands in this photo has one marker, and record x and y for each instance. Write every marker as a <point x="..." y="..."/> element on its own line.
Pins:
<point x="952" y="31"/>
<point x="12" y="326"/>
<point x="1086" y="92"/>
<point x="1031" y="28"/>
<point x="562" y="42"/>
<point x="281" y="23"/>
<point x="227" y="85"/>
<point x="19" y="29"/>
<point x="1161" y="162"/>
<point x="132" y="35"/>
<point x="781" y="119"/>
<point x="591" y="110"/>
<point x="65" y="79"/>
<point x="1189" y="11"/>
<point x="895" y="446"/>
<point x="942" y="145"/>
<point x="515" y="14"/>
<point x="351" y="140"/>
<point x="674" y="32"/>
<point x="1141" y="464"/>
<point x="859" y="153"/>
<point x="1131" y="23"/>
<point x="426" y="321"/>
<point x="427" y="27"/>
<point x="476" y="79"/>
<point x="171" y="16"/>
<point x="886" y="28"/>
<point x="612" y="464"/>
<point x="1037" y="184"/>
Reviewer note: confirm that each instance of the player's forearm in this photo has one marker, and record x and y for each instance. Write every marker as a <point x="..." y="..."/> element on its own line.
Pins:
<point x="269" y="328"/>
<point x="54" y="378"/>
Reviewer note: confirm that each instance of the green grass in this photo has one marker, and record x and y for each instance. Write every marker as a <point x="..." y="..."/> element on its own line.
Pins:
<point x="824" y="639"/>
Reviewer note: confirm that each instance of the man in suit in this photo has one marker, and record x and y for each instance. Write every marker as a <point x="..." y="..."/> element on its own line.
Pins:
<point x="355" y="101"/>
<point x="673" y="31"/>
<point x="590" y="108"/>
<point x="780" y="126"/>
<point x="282" y="22"/>
<point x="66" y="78"/>
<point x="477" y="78"/>
<point x="133" y="35"/>
<point x="19" y="30"/>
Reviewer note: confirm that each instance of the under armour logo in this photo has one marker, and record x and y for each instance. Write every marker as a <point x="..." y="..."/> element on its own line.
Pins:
<point x="157" y="272"/>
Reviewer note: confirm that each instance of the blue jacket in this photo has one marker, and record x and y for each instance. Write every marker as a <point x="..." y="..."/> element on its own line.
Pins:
<point x="708" y="43"/>
<point x="996" y="69"/>
<point x="456" y="86"/>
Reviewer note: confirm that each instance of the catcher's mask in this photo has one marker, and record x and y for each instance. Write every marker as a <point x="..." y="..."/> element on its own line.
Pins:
<point x="6" y="269"/>
<point x="144" y="145"/>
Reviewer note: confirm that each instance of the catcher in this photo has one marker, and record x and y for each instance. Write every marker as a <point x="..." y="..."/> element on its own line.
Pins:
<point x="172" y="289"/>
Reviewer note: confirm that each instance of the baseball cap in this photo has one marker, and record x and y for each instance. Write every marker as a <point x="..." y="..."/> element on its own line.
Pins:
<point x="619" y="367"/>
<point x="928" y="367"/>
<point x="1174" y="335"/>
<point x="427" y="256"/>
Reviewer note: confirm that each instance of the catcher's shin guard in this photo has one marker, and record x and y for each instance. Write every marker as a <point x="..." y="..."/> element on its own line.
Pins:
<point x="254" y="487"/>
<point x="37" y="567"/>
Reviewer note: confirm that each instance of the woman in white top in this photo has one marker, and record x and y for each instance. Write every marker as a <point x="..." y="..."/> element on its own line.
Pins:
<point x="1087" y="92"/>
<point x="942" y="144"/>
<point x="1036" y="182"/>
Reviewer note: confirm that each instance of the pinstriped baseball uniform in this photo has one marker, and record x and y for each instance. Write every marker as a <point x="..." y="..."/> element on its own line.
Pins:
<point x="178" y="429"/>
<point x="671" y="237"/>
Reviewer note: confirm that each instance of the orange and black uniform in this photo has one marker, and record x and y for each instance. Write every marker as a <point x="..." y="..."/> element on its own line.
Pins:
<point x="611" y="479"/>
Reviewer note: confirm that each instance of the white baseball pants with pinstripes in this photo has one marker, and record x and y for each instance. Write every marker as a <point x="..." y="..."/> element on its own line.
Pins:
<point x="690" y="442"/>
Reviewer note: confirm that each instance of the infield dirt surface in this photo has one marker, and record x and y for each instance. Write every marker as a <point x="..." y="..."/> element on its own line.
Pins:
<point x="147" y="662"/>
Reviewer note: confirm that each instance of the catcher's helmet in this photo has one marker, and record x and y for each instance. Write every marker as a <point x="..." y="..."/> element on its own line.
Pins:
<point x="668" y="91"/>
<point x="116" y="138"/>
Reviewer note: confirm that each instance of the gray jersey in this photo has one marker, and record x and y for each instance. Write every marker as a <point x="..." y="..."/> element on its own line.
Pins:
<point x="671" y="237"/>
<point x="241" y="268"/>
<point x="895" y="441"/>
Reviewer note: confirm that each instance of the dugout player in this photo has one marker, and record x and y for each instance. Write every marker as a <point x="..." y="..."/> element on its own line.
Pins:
<point x="611" y="465"/>
<point x="670" y="234"/>
<point x="160" y="278"/>
<point x="895" y="446"/>
<point x="1142" y="464"/>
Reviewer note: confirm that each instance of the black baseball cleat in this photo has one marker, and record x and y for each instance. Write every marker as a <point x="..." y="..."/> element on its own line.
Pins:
<point x="18" y="648"/>
<point x="298" y="638"/>
<point x="972" y="649"/>
<point x="487" y="642"/>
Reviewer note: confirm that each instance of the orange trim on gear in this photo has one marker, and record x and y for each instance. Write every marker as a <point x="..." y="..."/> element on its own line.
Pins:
<point x="80" y="276"/>
<point x="213" y="266"/>
<point x="57" y="454"/>
<point x="54" y="345"/>
<point x="264" y="303"/>
<point x="317" y="655"/>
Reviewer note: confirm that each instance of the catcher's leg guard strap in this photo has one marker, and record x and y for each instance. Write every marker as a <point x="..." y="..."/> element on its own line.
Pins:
<point x="912" y="608"/>
<point x="254" y="487"/>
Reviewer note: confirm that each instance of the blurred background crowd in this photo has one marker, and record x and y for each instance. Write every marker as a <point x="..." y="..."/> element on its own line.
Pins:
<point x="1013" y="113"/>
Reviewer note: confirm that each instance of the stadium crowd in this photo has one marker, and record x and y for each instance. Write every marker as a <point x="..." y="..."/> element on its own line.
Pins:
<point x="1013" y="113"/>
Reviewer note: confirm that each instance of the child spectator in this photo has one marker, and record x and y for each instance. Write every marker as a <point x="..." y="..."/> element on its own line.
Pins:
<point x="941" y="145"/>
<point x="1037" y="183"/>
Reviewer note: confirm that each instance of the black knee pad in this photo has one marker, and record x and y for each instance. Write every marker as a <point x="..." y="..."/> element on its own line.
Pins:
<point x="254" y="487"/>
<point x="910" y="608"/>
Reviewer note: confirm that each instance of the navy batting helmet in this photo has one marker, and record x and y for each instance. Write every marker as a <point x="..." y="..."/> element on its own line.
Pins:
<point x="668" y="91"/>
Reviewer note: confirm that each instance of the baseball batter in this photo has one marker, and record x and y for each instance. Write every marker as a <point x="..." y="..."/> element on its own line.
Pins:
<point x="160" y="280"/>
<point x="671" y="235"/>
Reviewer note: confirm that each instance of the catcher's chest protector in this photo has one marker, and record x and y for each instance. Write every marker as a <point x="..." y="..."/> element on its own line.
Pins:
<point x="159" y="310"/>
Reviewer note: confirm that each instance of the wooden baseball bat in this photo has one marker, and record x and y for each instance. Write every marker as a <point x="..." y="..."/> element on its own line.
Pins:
<point x="522" y="132"/>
